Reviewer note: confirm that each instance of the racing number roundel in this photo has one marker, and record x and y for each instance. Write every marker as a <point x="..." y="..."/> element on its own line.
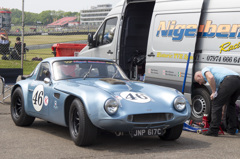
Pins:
<point x="135" y="97"/>
<point x="38" y="98"/>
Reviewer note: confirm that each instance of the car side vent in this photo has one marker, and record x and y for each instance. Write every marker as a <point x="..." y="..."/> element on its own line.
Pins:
<point x="57" y="95"/>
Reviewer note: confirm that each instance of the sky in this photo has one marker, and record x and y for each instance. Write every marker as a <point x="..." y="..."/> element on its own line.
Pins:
<point x="37" y="6"/>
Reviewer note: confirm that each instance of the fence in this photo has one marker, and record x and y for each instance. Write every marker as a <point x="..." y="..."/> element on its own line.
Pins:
<point x="37" y="45"/>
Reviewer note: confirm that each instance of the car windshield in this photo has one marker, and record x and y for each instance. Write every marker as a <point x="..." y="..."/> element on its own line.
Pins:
<point x="70" y="69"/>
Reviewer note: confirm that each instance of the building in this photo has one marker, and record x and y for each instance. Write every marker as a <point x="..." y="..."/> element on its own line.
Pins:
<point x="5" y="19"/>
<point x="62" y="22"/>
<point x="95" y="15"/>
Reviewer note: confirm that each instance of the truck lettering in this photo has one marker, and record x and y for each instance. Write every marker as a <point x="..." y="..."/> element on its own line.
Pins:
<point x="208" y="30"/>
<point x="228" y="47"/>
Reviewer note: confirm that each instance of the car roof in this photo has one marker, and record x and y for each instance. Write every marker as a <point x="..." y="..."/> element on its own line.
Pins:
<point x="53" y="59"/>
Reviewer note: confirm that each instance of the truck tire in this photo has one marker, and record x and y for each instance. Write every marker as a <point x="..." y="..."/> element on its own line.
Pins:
<point x="201" y="104"/>
<point x="172" y="133"/>
<point x="81" y="129"/>
<point x="18" y="114"/>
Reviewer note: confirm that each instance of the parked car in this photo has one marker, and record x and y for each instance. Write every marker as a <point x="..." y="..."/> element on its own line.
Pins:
<point x="91" y="94"/>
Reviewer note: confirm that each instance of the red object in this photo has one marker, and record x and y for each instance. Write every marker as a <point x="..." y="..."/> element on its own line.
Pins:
<point x="221" y="130"/>
<point x="3" y="11"/>
<point x="62" y="22"/>
<point x="205" y="121"/>
<point x="66" y="49"/>
<point x="206" y="124"/>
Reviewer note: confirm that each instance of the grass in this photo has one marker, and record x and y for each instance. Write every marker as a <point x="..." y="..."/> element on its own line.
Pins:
<point x="28" y="64"/>
<point x="47" y="39"/>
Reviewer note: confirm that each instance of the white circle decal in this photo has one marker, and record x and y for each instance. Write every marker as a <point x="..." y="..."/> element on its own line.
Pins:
<point x="135" y="97"/>
<point x="37" y="97"/>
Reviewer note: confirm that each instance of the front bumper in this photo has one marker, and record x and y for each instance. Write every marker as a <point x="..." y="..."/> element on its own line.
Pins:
<point x="124" y="125"/>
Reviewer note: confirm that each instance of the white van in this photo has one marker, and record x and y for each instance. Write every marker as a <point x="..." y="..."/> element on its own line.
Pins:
<point x="153" y="38"/>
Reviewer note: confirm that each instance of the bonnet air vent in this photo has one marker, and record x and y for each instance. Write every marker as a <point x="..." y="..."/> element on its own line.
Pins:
<point x="112" y="81"/>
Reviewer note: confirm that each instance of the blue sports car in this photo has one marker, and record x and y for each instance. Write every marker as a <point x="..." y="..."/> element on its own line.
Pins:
<point x="91" y="94"/>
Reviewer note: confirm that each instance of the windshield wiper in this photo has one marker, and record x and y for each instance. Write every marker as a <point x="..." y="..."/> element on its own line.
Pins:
<point x="87" y="72"/>
<point x="115" y="73"/>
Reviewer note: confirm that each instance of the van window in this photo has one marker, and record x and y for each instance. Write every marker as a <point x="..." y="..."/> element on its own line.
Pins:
<point x="106" y="32"/>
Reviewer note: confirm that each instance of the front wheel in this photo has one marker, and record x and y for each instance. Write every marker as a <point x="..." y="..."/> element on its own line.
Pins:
<point x="18" y="113"/>
<point x="201" y="104"/>
<point x="172" y="133"/>
<point x="81" y="129"/>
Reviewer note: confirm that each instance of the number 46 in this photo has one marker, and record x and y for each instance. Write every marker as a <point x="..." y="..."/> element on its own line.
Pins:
<point x="38" y="98"/>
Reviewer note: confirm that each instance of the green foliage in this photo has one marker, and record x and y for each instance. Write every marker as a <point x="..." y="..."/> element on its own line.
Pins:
<point x="16" y="16"/>
<point x="45" y="17"/>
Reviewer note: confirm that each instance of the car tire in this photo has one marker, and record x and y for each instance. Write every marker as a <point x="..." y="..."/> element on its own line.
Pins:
<point x="201" y="104"/>
<point x="172" y="133"/>
<point x="81" y="129"/>
<point x="18" y="113"/>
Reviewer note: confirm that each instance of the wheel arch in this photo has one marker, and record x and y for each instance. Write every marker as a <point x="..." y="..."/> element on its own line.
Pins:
<point x="24" y="89"/>
<point x="14" y="88"/>
<point x="196" y="86"/>
<point x="67" y="105"/>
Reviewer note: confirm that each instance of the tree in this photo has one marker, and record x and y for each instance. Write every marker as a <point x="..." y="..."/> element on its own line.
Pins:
<point x="46" y="17"/>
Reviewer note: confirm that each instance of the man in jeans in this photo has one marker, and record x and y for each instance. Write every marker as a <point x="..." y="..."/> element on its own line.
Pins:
<point x="225" y="86"/>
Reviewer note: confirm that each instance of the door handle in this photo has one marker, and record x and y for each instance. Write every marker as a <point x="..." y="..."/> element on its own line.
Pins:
<point x="109" y="52"/>
<point x="151" y="54"/>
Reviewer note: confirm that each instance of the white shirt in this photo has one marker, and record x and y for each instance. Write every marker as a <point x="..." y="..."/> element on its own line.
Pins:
<point x="4" y="41"/>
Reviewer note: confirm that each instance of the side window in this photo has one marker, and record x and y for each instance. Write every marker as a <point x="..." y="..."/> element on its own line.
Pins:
<point x="100" y="35"/>
<point x="106" y="32"/>
<point x="43" y="72"/>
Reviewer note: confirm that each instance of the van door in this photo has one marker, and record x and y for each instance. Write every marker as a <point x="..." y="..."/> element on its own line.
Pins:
<point x="105" y="40"/>
<point x="172" y="36"/>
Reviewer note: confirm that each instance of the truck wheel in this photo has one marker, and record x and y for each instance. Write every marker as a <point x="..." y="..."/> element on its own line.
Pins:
<point x="81" y="129"/>
<point x="201" y="104"/>
<point x="172" y="133"/>
<point x="18" y="113"/>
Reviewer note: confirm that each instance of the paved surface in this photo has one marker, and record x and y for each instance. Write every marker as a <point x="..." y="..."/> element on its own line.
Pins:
<point x="46" y="140"/>
<point x="45" y="46"/>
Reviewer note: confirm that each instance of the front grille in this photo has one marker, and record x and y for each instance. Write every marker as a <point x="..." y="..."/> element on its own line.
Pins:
<point x="148" y="125"/>
<point x="154" y="117"/>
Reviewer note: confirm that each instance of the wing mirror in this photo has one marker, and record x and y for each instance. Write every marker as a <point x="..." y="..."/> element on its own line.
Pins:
<point x="90" y="40"/>
<point x="47" y="80"/>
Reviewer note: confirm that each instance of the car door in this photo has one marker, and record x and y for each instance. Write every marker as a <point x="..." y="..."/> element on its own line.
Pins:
<point x="106" y="40"/>
<point x="173" y="34"/>
<point x="40" y="93"/>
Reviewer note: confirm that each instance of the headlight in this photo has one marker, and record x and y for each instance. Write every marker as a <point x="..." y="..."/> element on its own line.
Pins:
<point x="111" y="106"/>
<point x="179" y="103"/>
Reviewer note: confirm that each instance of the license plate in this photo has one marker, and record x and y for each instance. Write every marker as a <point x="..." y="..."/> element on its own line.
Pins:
<point x="146" y="132"/>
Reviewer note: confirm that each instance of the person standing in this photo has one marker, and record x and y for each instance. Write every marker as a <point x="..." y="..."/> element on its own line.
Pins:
<point x="225" y="86"/>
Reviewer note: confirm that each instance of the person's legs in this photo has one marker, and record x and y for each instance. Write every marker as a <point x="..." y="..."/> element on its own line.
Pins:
<point x="231" y="119"/>
<point x="216" y="116"/>
<point x="231" y="108"/>
<point x="224" y="92"/>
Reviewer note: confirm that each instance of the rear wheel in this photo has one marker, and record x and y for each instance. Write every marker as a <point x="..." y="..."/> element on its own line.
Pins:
<point x="81" y="129"/>
<point x="172" y="133"/>
<point x="18" y="113"/>
<point x="201" y="104"/>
